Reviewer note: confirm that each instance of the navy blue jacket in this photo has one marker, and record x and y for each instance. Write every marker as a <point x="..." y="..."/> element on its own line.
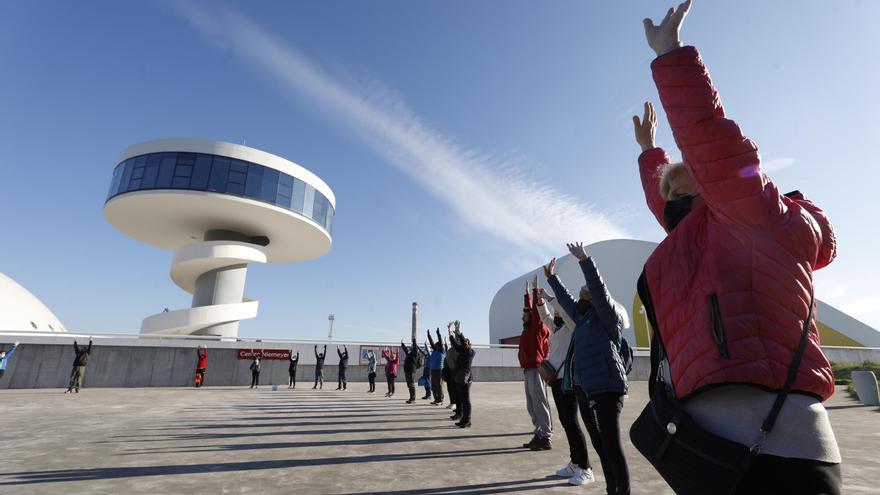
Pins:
<point x="596" y="366"/>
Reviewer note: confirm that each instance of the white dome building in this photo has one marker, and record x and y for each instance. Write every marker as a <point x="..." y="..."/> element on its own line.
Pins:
<point x="620" y="263"/>
<point x="24" y="312"/>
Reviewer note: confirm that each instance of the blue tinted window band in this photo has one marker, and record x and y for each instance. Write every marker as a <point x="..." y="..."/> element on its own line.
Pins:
<point x="218" y="174"/>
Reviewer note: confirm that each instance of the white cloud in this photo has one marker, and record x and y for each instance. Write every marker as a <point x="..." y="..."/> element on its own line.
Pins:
<point x="490" y="194"/>
<point x="776" y="164"/>
<point x="863" y="306"/>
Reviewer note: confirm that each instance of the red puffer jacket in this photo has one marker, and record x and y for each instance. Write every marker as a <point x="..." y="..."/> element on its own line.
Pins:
<point x="534" y="343"/>
<point x="731" y="283"/>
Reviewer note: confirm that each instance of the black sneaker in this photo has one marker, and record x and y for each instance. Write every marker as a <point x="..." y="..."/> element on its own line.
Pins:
<point x="455" y="416"/>
<point x="463" y="424"/>
<point x="531" y="442"/>
<point x="541" y="444"/>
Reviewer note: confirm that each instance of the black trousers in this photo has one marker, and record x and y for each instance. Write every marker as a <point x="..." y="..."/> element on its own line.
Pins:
<point x="567" y="410"/>
<point x="601" y="415"/>
<point x="371" y="377"/>
<point x="410" y="384"/>
<point x="463" y="396"/>
<point x="437" y="385"/>
<point x="453" y="393"/>
<point x="292" y="382"/>
<point x="391" y="379"/>
<point x="342" y="383"/>
<point x="772" y="475"/>
<point x="255" y="378"/>
<point x="319" y="377"/>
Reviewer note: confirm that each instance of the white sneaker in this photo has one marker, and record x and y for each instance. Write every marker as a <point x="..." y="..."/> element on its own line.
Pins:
<point x="568" y="471"/>
<point x="582" y="477"/>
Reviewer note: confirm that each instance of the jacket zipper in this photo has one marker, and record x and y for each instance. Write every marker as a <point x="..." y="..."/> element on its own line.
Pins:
<point x="718" y="327"/>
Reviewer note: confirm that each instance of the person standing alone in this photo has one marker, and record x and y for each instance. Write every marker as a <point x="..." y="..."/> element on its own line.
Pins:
<point x="79" y="366"/>
<point x="256" y="365"/>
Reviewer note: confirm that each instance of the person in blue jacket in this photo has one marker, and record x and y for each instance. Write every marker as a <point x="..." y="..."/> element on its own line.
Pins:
<point x="4" y="358"/>
<point x="426" y="374"/>
<point x="436" y="364"/>
<point x="596" y="371"/>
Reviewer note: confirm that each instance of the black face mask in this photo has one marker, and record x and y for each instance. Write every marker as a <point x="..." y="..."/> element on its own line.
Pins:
<point x="583" y="306"/>
<point x="676" y="210"/>
<point x="558" y="321"/>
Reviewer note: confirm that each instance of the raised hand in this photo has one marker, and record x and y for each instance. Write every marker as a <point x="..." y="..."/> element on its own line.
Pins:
<point x="664" y="37"/>
<point x="457" y="326"/>
<point x="535" y="282"/>
<point x="550" y="268"/>
<point x="577" y="250"/>
<point x="646" y="128"/>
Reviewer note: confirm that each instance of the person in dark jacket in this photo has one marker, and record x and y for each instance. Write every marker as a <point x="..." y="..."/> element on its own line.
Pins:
<point x="448" y="371"/>
<point x="342" y="384"/>
<point x="410" y="358"/>
<point x="201" y="365"/>
<point x="463" y="376"/>
<point x="596" y="369"/>
<point x="319" y="367"/>
<point x="291" y="370"/>
<point x="371" y="370"/>
<point x="534" y="347"/>
<point x="256" y="366"/>
<point x="79" y="366"/>
<point x="436" y="364"/>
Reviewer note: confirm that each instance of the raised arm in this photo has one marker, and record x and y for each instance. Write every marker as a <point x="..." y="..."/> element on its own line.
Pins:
<point x="89" y="350"/>
<point x="75" y="347"/>
<point x="651" y="161"/>
<point x="430" y="340"/>
<point x="724" y="164"/>
<point x="11" y="351"/>
<point x="601" y="298"/>
<point x="316" y="352"/>
<point x="563" y="298"/>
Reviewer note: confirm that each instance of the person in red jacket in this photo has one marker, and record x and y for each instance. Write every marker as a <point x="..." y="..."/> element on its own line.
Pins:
<point x="201" y="365"/>
<point x="729" y="291"/>
<point x="392" y="360"/>
<point x="534" y="347"/>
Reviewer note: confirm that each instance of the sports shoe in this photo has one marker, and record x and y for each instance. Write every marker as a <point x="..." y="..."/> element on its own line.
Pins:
<point x="411" y="401"/>
<point x="463" y="424"/>
<point x="426" y="397"/>
<point x="455" y="416"/>
<point x="450" y="406"/>
<point x="582" y="477"/>
<point x="568" y="471"/>
<point x="541" y="444"/>
<point x="531" y="442"/>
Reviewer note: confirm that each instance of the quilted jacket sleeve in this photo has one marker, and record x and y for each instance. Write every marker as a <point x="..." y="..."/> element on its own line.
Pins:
<point x="651" y="163"/>
<point x="724" y="163"/>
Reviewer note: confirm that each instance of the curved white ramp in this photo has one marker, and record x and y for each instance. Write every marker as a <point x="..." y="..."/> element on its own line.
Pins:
<point x="214" y="272"/>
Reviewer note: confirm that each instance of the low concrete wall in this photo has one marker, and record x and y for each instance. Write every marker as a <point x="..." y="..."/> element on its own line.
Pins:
<point x="37" y="365"/>
<point x="123" y="362"/>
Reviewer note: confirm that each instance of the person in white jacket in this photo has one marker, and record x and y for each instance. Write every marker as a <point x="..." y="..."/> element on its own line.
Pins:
<point x="578" y="470"/>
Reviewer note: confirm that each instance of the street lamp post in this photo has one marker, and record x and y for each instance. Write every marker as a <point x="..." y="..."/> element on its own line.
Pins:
<point x="331" y="318"/>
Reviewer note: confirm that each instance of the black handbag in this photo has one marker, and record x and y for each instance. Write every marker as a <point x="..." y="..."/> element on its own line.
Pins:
<point x="680" y="450"/>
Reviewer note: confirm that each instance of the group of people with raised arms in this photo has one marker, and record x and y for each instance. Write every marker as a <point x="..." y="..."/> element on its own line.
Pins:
<point x="729" y="298"/>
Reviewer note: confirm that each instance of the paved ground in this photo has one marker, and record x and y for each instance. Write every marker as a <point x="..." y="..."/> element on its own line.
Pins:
<point x="234" y="440"/>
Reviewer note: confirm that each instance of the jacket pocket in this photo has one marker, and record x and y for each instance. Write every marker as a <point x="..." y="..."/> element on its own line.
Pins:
<point x="718" y="333"/>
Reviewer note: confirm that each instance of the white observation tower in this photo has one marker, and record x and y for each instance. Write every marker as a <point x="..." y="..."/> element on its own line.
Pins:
<point x="219" y="206"/>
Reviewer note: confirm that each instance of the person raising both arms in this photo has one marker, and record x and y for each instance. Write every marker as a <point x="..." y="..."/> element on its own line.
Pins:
<point x="729" y="291"/>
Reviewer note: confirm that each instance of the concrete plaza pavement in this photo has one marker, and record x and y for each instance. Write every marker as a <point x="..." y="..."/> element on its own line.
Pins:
<point x="236" y="440"/>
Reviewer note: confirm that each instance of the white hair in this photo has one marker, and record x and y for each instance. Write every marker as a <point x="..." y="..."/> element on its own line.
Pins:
<point x="666" y="175"/>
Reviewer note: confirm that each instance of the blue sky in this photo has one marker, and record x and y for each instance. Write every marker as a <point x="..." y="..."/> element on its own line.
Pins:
<point x="465" y="141"/>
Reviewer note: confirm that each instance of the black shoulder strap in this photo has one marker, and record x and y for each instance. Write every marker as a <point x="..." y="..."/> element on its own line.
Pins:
<point x="792" y="372"/>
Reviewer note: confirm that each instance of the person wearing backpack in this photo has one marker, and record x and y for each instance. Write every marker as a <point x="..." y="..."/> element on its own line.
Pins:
<point x="595" y="369"/>
<point x="411" y="362"/>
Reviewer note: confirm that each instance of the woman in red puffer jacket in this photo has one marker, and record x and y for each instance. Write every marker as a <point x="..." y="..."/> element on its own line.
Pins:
<point x="732" y="284"/>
